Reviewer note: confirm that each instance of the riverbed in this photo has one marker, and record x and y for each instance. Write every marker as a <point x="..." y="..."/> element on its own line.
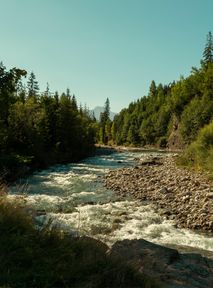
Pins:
<point x="73" y="198"/>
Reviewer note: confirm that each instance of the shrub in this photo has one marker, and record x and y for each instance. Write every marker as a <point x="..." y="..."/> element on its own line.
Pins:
<point x="200" y="153"/>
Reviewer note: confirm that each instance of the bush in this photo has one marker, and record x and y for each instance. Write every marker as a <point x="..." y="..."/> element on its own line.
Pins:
<point x="197" y="114"/>
<point x="200" y="153"/>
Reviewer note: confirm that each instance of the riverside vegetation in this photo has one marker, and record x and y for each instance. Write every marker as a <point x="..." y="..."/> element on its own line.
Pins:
<point x="40" y="129"/>
<point x="40" y="258"/>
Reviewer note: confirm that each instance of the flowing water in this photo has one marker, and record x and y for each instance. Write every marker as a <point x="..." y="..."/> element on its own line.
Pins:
<point x="75" y="200"/>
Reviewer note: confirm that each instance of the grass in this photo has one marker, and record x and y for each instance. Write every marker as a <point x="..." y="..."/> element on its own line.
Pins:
<point x="31" y="258"/>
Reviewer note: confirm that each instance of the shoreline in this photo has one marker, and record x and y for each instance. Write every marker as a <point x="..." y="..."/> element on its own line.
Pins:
<point x="180" y="195"/>
<point x="137" y="149"/>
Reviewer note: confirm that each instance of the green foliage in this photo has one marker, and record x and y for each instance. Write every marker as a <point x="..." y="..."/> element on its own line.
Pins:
<point x="208" y="51"/>
<point x="32" y="86"/>
<point x="200" y="153"/>
<point x="33" y="258"/>
<point x="8" y="86"/>
<point x="198" y="113"/>
<point x="46" y="129"/>
<point x="179" y="109"/>
<point x="105" y="125"/>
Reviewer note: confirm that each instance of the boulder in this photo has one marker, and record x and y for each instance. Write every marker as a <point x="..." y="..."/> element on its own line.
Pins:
<point x="165" y="265"/>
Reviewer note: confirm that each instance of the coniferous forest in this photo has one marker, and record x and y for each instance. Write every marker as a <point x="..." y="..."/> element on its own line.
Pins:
<point x="39" y="129"/>
<point x="176" y="116"/>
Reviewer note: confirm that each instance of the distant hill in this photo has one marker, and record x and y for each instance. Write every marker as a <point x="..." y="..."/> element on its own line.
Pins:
<point x="98" y="110"/>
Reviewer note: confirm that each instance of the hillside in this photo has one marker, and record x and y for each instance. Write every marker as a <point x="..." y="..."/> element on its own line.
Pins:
<point x="173" y="116"/>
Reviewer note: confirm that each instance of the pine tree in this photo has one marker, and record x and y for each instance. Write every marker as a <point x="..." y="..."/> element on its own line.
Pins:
<point x="68" y="93"/>
<point x="208" y="51"/>
<point x="74" y="103"/>
<point x="32" y="86"/>
<point x="56" y="97"/>
<point x="107" y="109"/>
<point x="47" y="91"/>
<point x="152" y="89"/>
<point x="104" y="118"/>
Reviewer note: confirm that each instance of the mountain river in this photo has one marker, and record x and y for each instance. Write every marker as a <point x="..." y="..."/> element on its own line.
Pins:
<point x="75" y="200"/>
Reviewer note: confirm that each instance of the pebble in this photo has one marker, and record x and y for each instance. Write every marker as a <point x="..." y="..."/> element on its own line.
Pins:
<point x="186" y="195"/>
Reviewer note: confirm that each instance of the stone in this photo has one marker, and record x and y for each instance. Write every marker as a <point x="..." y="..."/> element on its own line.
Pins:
<point x="164" y="264"/>
<point x="187" y="195"/>
<point x="164" y="190"/>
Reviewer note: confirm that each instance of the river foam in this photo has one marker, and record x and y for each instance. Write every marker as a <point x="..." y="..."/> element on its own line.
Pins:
<point x="75" y="201"/>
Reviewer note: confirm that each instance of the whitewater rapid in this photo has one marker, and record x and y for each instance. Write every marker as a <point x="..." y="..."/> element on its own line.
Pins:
<point x="75" y="200"/>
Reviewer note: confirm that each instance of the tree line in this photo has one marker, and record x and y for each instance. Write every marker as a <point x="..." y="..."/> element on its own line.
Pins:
<point x="185" y="105"/>
<point x="39" y="129"/>
<point x="173" y="115"/>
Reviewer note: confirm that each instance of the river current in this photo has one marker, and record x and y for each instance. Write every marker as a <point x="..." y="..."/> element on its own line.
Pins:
<point x="75" y="200"/>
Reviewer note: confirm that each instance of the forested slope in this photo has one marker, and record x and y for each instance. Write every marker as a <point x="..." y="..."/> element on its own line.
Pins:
<point x="39" y="129"/>
<point x="173" y="115"/>
<point x="170" y="114"/>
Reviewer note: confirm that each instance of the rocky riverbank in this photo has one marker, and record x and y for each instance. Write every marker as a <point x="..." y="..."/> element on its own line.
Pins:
<point x="167" y="266"/>
<point x="179" y="194"/>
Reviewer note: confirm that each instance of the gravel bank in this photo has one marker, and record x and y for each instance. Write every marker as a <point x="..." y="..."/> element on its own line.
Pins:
<point x="181" y="195"/>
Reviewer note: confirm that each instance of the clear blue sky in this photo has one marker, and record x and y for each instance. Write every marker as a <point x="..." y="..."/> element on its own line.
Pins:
<point x="104" y="48"/>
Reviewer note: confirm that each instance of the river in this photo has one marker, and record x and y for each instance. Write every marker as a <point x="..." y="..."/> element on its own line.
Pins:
<point x="75" y="200"/>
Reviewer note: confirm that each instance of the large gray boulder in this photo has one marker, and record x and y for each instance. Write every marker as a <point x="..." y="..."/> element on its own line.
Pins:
<point x="168" y="266"/>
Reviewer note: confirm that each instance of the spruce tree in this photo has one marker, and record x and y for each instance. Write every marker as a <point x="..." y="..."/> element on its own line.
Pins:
<point x="208" y="51"/>
<point x="104" y="119"/>
<point x="32" y="86"/>
<point x="74" y="103"/>
<point x="152" y="89"/>
<point x="107" y="109"/>
<point x="47" y="91"/>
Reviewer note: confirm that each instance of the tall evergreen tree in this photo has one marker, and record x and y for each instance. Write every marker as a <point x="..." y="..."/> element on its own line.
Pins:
<point x="68" y="93"/>
<point x="152" y="89"/>
<point x="104" y="119"/>
<point x="47" y="91"/>
<point x="107" y="109"/>
<point x="74" y="103"/>
<point x="32" y="86"/>
<point x="208" y="51"/>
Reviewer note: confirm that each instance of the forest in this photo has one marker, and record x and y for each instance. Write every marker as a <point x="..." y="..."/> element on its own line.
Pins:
<point x="39" y="129"/>
<point x="177" y="116"/>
